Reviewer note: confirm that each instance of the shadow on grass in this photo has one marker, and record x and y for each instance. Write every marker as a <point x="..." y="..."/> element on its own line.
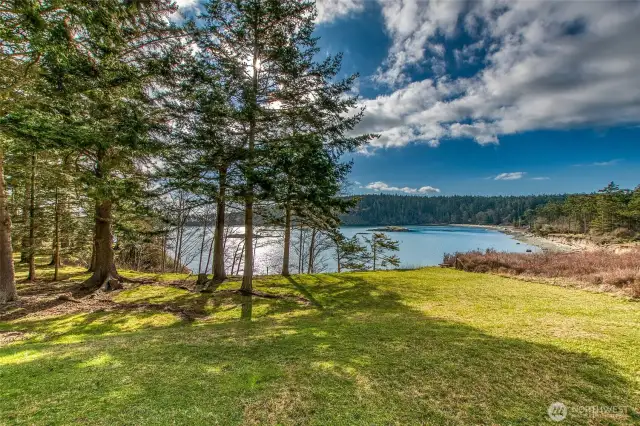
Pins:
<point x="306" y="293"/>
<point x="366" y="358"/>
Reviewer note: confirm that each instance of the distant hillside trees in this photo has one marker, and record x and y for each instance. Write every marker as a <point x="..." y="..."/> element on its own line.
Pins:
<point x="383" y="209"/>
<point x="609" y="210"/>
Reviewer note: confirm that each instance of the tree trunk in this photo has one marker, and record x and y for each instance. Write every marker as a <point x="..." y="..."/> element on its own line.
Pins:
<point x="219" y="274"/>
<point x="92" y="264"/>
<point x="164" y="252"/>
<point x="373" y="251"/>
<point x="338" y="256"/>
<point x="204" y="237"/>
<point x="24" y="242"/>
<point x="7" y="278"/>
<point x="287" y="241"/>
<point x="300" y="251"/>
<point x="105" y="274"/>
<point x="32" y="222"/>
<point x="56" y="238"/>
<point x="206" y="269"/>
<point x="247" y="276"/>
<point x="240" y="259"/>
<point x="311" y="249"/>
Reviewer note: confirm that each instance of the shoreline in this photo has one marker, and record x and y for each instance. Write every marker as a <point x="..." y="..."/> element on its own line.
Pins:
<point x="544" y="244"/>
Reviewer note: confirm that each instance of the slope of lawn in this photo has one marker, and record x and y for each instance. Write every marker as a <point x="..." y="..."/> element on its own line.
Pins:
<point x="430" y="346"/>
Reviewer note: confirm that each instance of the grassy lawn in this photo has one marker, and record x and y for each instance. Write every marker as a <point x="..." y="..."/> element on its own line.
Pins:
<point x="431" y="346"/>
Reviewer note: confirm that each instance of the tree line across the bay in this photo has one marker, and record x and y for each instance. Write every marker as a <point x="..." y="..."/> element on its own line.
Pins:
<point x="610" y="210"/>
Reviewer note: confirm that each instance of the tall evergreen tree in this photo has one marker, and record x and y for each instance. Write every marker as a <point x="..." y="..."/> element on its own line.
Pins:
<point x="100" y="64"/>
<point x="266" y="47"/>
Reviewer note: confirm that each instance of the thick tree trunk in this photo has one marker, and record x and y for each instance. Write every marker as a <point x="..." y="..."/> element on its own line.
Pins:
<point x="32" y="222"/>
<point x="105" y="275"/>
<point x="287" y="241"/>
<point x="219" y="274"/>
<point x="311" y="250"/>
<point x="7" y="278"/>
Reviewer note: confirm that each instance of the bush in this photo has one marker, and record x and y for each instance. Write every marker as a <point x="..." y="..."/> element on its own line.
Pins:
<point x="601" y="267"/>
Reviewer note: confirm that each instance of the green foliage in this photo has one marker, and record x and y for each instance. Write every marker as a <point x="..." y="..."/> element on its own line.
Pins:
<point x="381" y="209"/>
<point x="350" y="253"/>
<point x="610" y="210"/>
<point x="380" y="245"/>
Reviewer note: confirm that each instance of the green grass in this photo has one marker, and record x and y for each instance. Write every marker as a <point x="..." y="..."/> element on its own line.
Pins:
<point x="431" y="346"/>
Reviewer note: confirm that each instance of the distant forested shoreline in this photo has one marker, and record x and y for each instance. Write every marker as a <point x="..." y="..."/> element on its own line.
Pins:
<point x="384" y="209"/>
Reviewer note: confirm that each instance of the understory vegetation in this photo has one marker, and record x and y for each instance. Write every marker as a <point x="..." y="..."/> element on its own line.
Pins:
<point x="429" y="346"/>
<point x="603" y="269"/>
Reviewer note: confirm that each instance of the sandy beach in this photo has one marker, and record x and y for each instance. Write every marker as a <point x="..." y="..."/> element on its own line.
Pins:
<point x="524" y="236"/>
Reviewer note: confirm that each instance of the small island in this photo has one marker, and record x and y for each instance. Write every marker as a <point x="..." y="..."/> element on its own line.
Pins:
<point x="391" y="229"/>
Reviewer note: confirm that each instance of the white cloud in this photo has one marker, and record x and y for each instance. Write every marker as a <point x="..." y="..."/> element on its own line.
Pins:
<point x="607" y="163"/>
<point x="411" y="24"/>
<point x="601" y="163"/>
<point x="546" y="65"/>
<point x="540" y="178"/>
<point x="329" y="10"/>
<point x="510" y="176"/>
<point x="428" y="190"/>
<point x="381" y="186"/>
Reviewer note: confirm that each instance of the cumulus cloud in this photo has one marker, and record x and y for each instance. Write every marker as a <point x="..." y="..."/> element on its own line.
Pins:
<point x="510" y="176"/>
<point x="329" y="10"/>
<point x="381" y="186"/>
<point x="544" y="65"/>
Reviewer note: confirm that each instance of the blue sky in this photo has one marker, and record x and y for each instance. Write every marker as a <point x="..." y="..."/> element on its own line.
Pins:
<point x="491" y="96"/>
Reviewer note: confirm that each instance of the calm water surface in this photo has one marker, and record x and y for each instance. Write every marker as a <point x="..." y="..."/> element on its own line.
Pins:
<point x="425" y="246"/>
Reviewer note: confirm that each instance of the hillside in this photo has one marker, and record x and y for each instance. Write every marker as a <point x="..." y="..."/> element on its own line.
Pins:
<point x="383" y="209"/>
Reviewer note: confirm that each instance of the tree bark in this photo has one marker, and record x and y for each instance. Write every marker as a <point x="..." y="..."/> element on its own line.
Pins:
<point x="235" y="256"/>
<point x="24" y="242"/>
<point x="373" y="251"/>
<point x="92" y="264"/>
<point x="8" y="291"/>
<point x="287" y="241"/>
<point x="164" y="252"/>
<point x="219" y="274"/>
<point x="301" y="250"/>
<point x="56" y="237"/>
<point x="32" y="222"/>
<point x="204" y="237"/>
<point x="311" y="249"/>
<point x="240" y="259"/>
<point x="105" y="274"/>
